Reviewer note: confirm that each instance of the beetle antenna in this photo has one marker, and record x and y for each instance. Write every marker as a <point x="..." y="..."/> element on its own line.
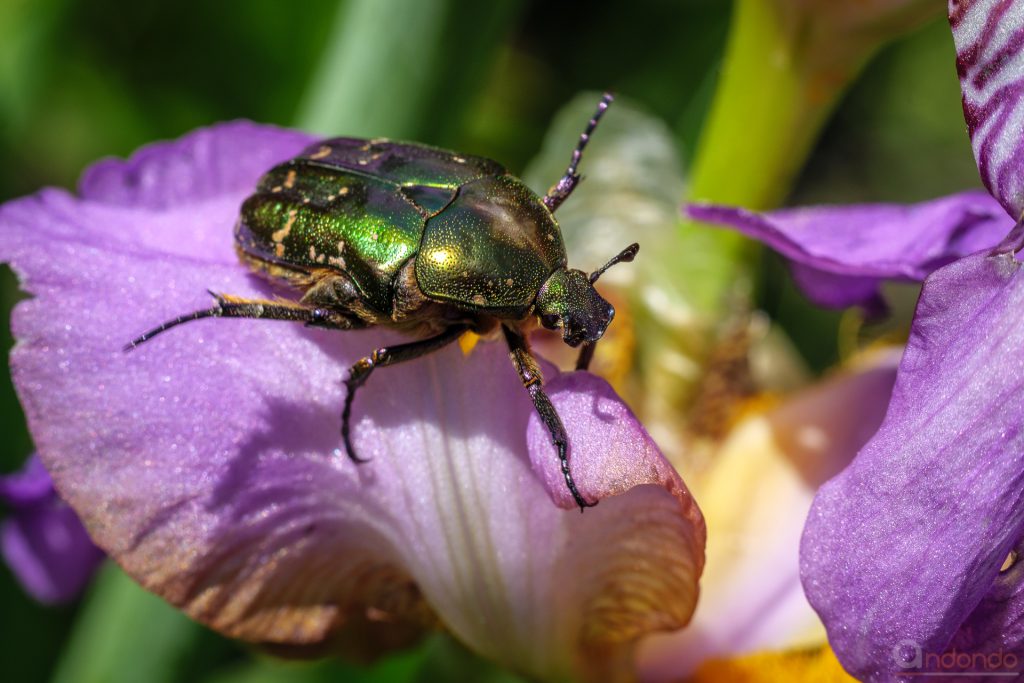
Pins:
<point x="624" y="256"/>
<point x="564" y="187"/>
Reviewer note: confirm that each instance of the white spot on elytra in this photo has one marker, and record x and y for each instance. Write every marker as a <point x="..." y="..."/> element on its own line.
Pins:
<point x="281" y="234"/>
<point x="321" y="153"/>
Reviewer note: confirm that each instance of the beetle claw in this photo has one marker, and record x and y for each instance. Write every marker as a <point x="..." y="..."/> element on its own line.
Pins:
<point x="355" y="458"/>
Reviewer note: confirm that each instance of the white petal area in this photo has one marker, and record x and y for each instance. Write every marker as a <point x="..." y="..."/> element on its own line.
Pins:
<point x="755" y="500"/>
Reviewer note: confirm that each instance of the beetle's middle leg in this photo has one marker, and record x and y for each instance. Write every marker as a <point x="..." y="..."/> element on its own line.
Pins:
<point x="529" y="373"/>
<point x="382" y="357"/>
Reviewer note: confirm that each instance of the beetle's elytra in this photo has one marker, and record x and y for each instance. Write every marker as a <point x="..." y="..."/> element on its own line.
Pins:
<point x="424" y="240"/>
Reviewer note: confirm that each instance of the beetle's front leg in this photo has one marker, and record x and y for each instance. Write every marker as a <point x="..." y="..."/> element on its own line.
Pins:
<point x="586" y="355"/>
<point x="529" y="372"/>
<point x="382" y="357"/>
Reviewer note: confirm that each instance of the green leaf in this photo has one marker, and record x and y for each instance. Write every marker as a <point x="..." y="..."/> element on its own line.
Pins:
<point x="399" y="668"/>
<point x="406" y="69"/>
<point x="125" y="635"/>
<point x="438" y="658"/>
<point x="26" y="29"/>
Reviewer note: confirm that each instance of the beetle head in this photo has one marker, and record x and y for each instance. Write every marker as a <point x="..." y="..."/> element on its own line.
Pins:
<point x="569" y="301"/>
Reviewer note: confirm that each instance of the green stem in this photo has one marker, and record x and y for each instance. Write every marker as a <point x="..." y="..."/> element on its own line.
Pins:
<point x="778" y="85"/>
<point x="784" y="69"/>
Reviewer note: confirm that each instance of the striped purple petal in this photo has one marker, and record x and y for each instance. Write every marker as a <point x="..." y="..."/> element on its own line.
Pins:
<point x="902" y="551"/>
<point x="989" y="37"/>
<point x="841" y="254"/>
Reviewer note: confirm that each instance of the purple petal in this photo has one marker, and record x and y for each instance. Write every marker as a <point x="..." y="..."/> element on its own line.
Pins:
<point x="29" y="486"/>
<point x="841" y="254"/>
<point x="902" y="550"/>
<point x="207" y="461"/>
<point x="989" y="37"/>
<point x="208" y="162"/>
<point x="42" y="540"/>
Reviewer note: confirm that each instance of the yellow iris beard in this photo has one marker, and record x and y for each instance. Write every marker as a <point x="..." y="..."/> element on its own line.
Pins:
<point x="796" y="666"/>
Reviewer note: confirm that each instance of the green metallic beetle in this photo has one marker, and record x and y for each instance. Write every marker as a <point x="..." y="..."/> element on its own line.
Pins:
<point x="423" y="240"/>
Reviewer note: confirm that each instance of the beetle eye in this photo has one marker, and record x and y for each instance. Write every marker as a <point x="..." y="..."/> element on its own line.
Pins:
<point x="551" y="321"/>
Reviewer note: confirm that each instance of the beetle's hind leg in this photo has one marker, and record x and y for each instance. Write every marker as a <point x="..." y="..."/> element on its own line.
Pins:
<point x="229" y="306"/>
<point x="529" y="373"/>
<point x="382" y="357"/>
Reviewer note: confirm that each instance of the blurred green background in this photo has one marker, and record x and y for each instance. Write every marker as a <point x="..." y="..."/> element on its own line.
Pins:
<point x="82" y="80"/>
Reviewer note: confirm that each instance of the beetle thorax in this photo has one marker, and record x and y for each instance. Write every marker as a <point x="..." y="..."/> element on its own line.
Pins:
<point x="569" y="301"/>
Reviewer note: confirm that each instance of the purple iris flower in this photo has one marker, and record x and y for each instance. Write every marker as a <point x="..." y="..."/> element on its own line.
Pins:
<point x="207" y="462"/>
<point x="909" y="555"/>
<point x="42" y="539"/>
